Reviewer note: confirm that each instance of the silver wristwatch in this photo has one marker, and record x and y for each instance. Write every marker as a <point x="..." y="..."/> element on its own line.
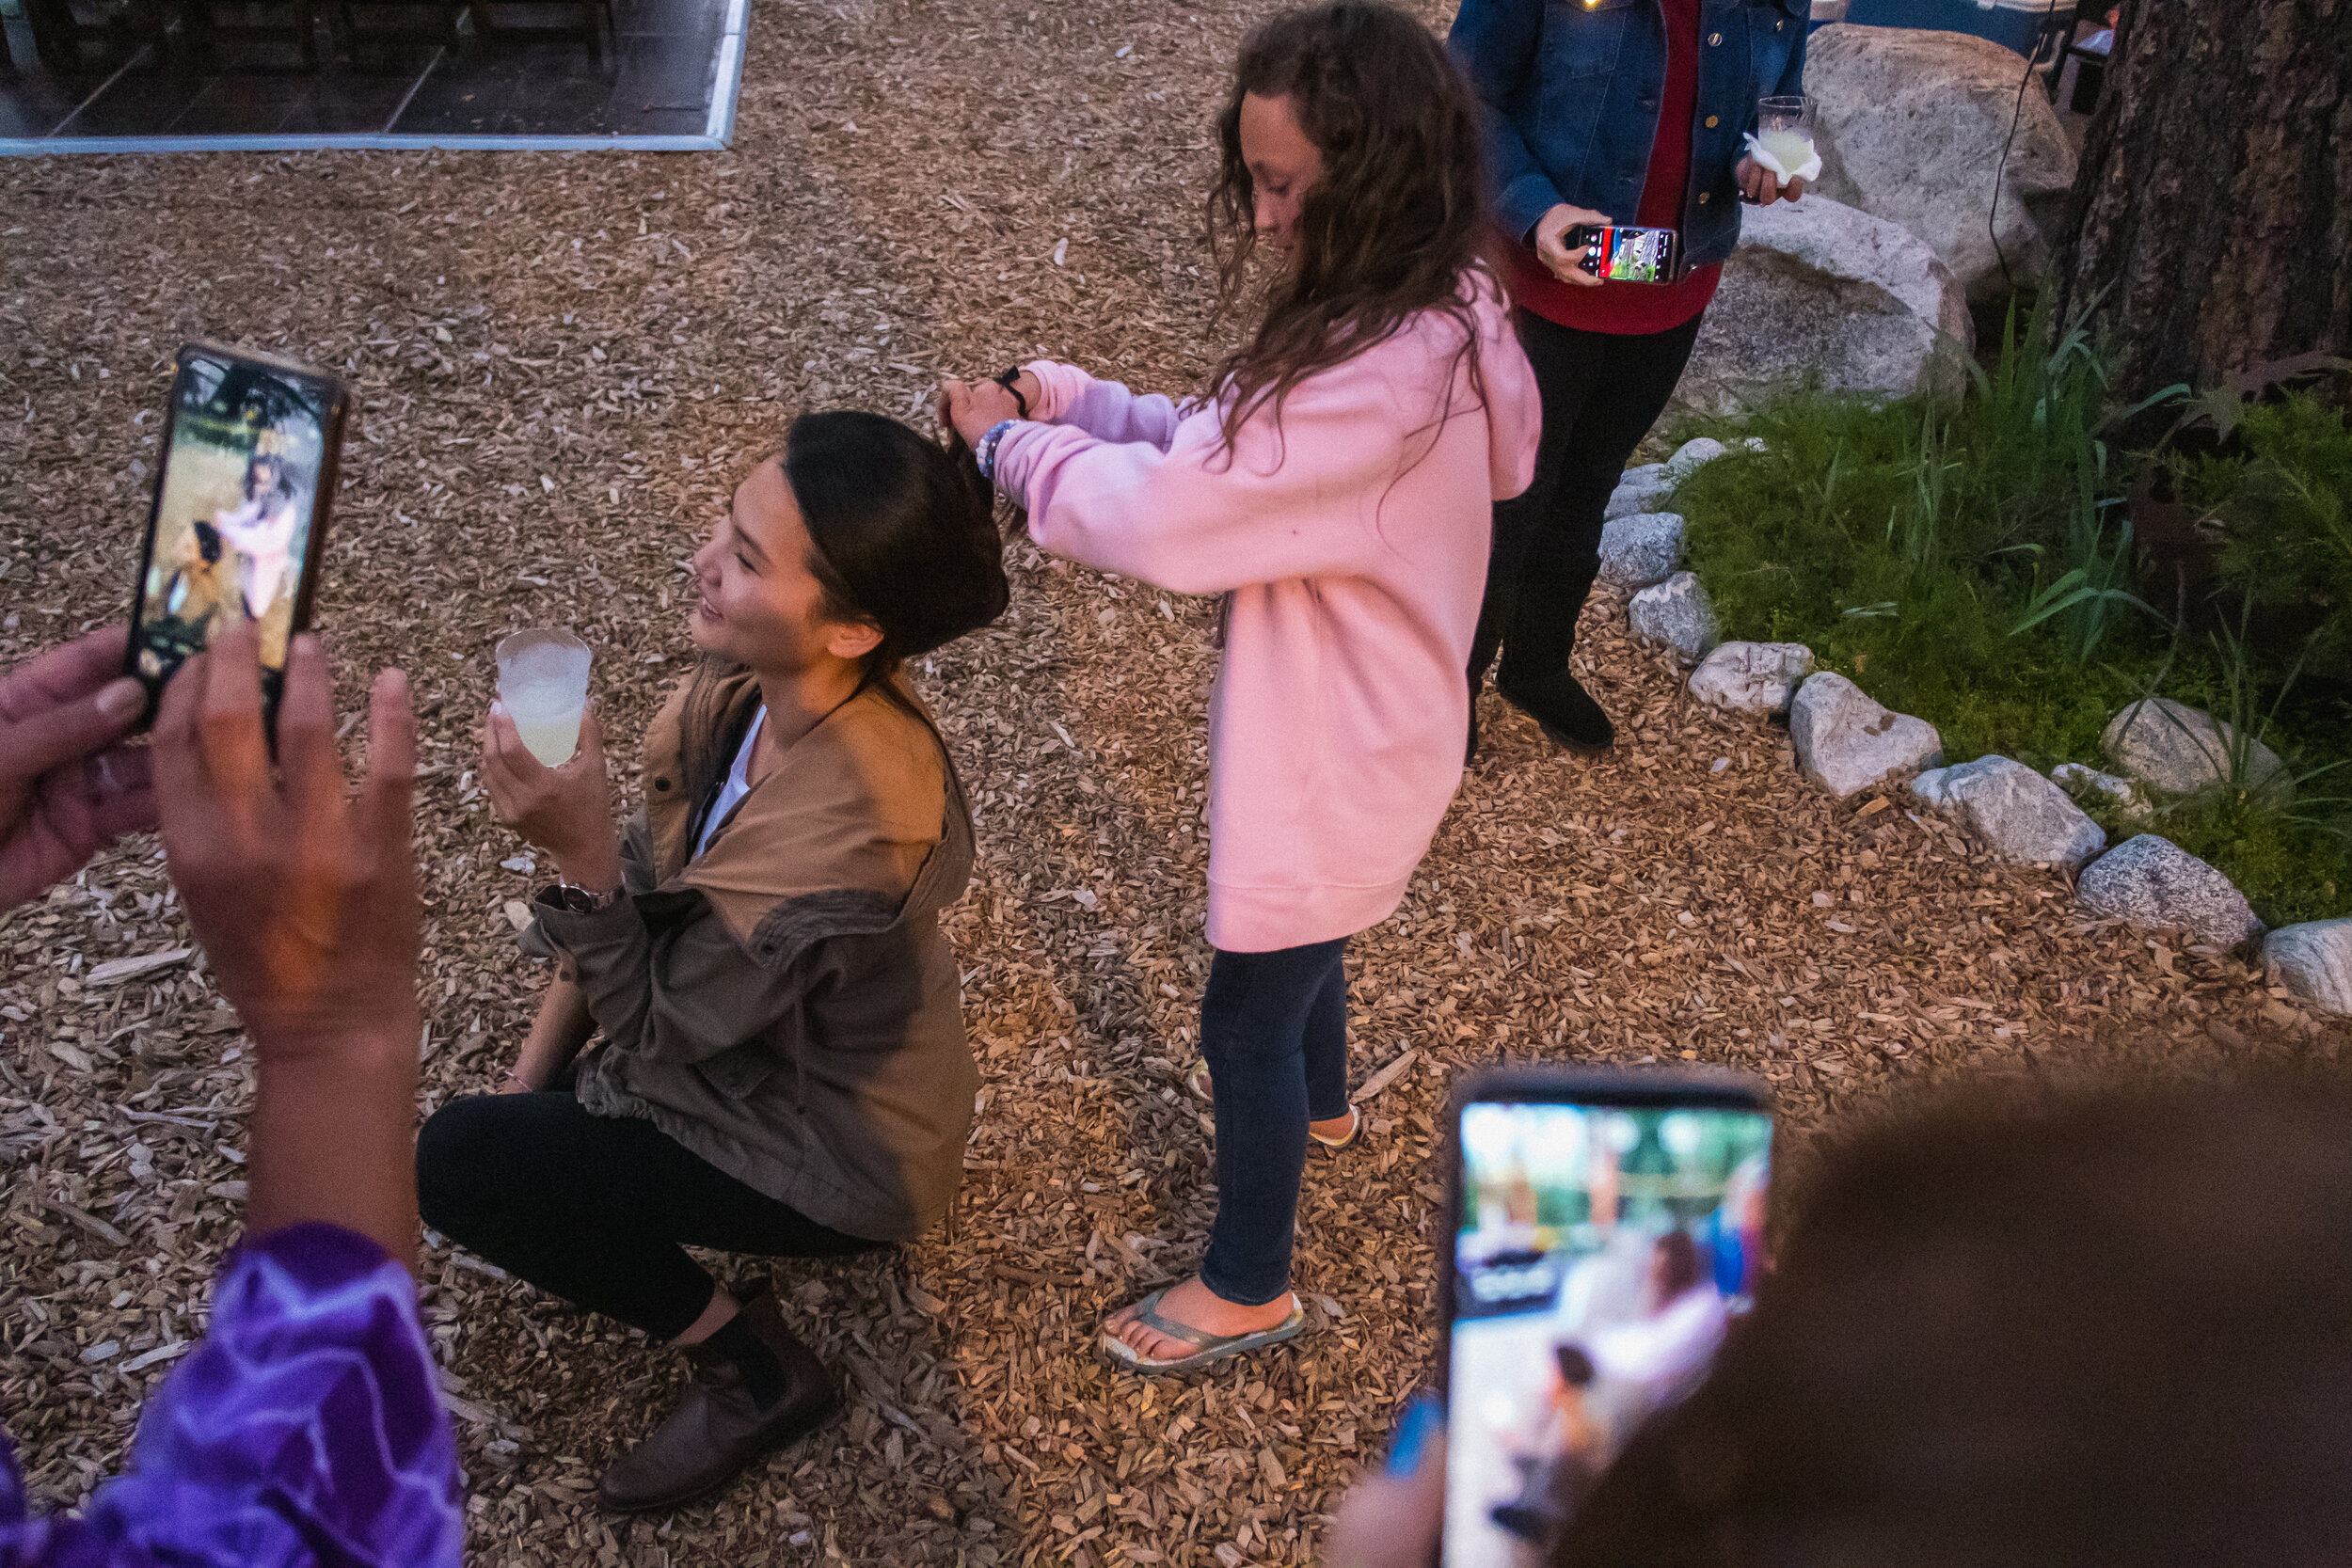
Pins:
<point x="571" y="896"/>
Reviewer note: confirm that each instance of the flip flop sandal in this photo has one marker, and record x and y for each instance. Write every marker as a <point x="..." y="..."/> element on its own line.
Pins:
<point x="1209" y="1347"/>
<point x="1355" y="1131"/>
<point x="1197" y="1080"/>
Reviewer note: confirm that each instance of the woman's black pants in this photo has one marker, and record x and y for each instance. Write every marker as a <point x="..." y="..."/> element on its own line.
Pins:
<point x="598" y="1210"/>
<point x="1602" y="393"/>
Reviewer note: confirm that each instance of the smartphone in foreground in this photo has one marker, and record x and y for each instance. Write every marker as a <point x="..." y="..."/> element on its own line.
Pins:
<point x="1625" y="255"/>
<point x="249" y="449"/>
<point x="1607" y="1228"/>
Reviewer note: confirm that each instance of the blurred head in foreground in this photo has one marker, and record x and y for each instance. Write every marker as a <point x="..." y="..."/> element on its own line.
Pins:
<point x="2110" y="1329"/>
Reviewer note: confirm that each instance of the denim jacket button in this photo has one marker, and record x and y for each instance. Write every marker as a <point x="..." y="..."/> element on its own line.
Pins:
<point x="1703" y="196"/>
<point x="1713" y="40"/>
<point x="1710" y="122"/>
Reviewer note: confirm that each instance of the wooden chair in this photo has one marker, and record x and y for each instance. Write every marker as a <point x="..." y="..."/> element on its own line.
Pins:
<point x="2057" y="40"/>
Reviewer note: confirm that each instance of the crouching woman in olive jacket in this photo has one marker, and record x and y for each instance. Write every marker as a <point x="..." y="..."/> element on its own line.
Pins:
<point x="783" y="1069"/>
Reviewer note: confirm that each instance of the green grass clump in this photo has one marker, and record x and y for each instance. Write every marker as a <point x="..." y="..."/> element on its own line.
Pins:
<point x="1976" y="567"/>
<point x="2285" y="507"/>
<point x="1822" y="539"/>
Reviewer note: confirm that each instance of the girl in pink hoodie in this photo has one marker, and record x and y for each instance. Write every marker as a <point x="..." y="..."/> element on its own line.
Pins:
<point x="1337" y="488"/>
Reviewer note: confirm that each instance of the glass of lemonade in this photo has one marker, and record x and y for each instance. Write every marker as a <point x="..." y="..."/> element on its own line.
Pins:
<point x="1784" y="131"/>
<point x="543" y="683"/>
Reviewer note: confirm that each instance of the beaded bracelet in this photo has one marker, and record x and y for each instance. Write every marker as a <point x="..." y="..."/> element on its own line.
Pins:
<point x="985" y="453"/>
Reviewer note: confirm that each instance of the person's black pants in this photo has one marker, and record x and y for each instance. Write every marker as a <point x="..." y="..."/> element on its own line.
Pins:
<point x="598" y="1210"/>
<point x="1602" y="393"/>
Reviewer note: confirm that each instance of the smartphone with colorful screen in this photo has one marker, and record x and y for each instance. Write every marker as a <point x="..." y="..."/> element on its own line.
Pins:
<point x="250" y="445"/>
<point x="1606" y="1230"/>
<point x="1625" y="255"/>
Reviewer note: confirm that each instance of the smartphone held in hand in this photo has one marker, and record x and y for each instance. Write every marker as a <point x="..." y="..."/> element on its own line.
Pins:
<point x="1618" y="254"/>
<point x="1607" y="1228"/>
<point x="250" y="445"/>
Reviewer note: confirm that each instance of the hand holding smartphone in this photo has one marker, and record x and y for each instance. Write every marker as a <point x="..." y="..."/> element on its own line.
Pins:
<point x="250" y="448"/>
<point x="1618" y="254"/>
<point x="1606" y="1229"/>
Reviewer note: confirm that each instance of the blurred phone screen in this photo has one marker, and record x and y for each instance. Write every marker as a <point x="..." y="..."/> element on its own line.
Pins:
<point x="250" y="449"/>
<point x="1601" y="1253"/>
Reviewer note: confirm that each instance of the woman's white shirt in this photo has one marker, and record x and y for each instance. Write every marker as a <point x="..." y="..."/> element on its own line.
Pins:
<point x="737" y="785"/>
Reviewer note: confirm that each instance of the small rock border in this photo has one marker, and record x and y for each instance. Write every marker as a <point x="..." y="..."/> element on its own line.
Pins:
<point x="1846" y="743"/>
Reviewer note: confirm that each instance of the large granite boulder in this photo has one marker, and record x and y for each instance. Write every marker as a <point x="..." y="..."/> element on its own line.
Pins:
<point x="1640" y="549"/>
<point x="2181" y="749"/>
<point x="2314" y="962"/>
<point x="1752" y="677"/>
<point x="1846" y="742"/>
<point x="1679" y="613"/>
<point x="2020" y="814"/>
<point x="1912" y="126"/>
<point x="1820" y="288"/>
<point x="2151" y="880"/>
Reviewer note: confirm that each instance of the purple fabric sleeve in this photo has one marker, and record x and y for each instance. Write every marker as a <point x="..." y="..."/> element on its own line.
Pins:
<point x="307" y="1428"/>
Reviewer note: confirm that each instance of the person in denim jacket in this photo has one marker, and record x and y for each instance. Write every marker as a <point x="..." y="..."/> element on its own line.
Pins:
<point x="1598" y="111"/>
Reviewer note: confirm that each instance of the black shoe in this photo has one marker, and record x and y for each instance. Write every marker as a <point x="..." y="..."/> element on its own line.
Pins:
<point x="1566" y="711"/>
<point x="718" y="1428"/>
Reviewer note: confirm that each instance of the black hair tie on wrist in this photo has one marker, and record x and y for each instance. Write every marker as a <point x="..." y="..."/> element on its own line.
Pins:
<point x="1009" y="379"/>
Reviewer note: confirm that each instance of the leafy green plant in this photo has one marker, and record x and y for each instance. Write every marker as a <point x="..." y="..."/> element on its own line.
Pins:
<point x="2245" y="767"/>
<point x="1977" y="567"/>
<point x="2035" y="402"/>
<point x="2087" y="597"/>
<point x="1914" y="527"/>
<point x="1795" y="543"/>
<point x="2288" y="515"/>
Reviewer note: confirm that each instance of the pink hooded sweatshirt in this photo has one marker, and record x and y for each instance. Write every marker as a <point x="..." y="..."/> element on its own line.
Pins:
<point x="1352" y="539"/>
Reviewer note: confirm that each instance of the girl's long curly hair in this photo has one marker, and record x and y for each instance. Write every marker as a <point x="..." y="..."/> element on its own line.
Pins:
<point x="1391" y="228"/>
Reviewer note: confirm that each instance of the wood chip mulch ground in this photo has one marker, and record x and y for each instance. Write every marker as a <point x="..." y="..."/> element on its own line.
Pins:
<point x="564" y="364"/>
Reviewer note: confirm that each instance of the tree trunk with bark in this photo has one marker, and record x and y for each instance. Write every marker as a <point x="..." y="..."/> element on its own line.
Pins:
<point x="2211" y="226"/>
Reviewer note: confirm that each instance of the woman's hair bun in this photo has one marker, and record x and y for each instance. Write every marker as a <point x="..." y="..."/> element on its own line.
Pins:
<point x="904" y="530"/>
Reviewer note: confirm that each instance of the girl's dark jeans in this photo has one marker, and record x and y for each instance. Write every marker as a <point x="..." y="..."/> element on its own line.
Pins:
<point x="1274" y="1030"/>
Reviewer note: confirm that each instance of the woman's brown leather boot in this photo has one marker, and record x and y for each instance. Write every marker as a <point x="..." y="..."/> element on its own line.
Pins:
<point x="719" y="1427"/>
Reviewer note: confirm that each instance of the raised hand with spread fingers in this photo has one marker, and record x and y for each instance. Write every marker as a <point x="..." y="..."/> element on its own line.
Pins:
<point x="303" y="896"/>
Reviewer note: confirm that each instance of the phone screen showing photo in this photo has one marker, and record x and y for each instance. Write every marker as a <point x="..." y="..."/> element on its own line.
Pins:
<point x="247" y="452"/>
<point x="1637" y="255"/>
<point x="1603" y="1252"/>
